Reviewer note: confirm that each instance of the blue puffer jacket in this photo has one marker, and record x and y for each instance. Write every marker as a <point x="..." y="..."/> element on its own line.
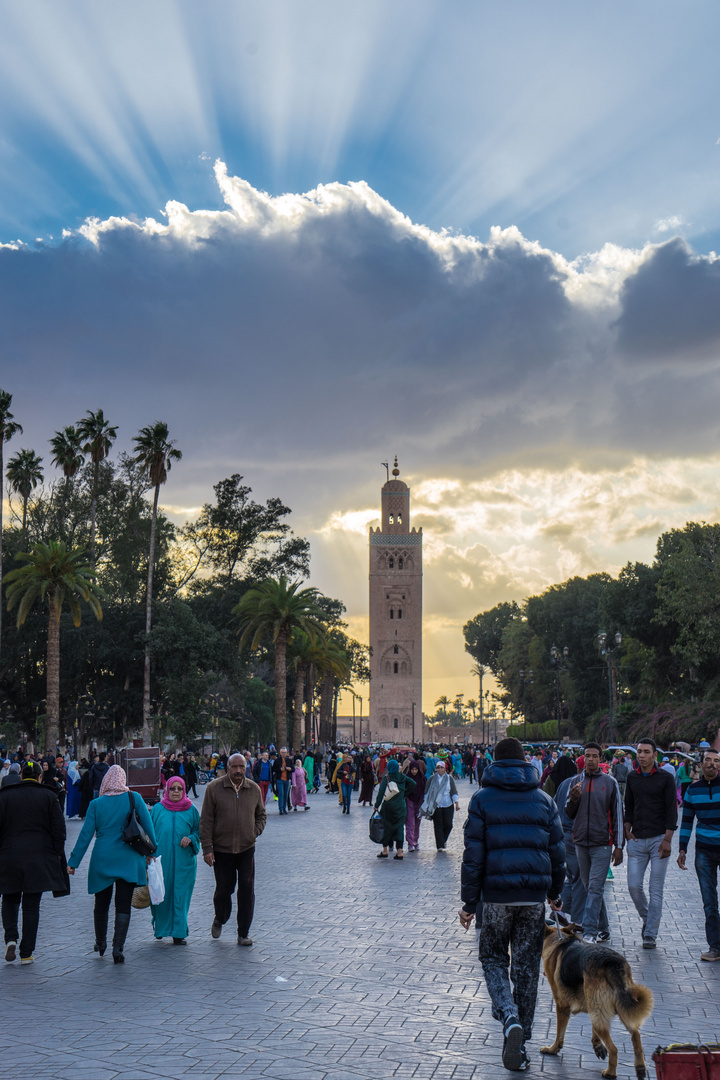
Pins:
<point x="514" y="851"/>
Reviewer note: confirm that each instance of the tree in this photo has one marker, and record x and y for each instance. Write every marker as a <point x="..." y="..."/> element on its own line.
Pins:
<point x="67" y="455"/>
<point x="154" y="452"/>
<point x="8" y="428"/>
<point x="274" y="609"/>
<point x="24" y="472"/>
<point x="97" y="437"/>
<point x="54" y="574"/>
<point x="442" y="705"/>
<point x="484" y="633"/>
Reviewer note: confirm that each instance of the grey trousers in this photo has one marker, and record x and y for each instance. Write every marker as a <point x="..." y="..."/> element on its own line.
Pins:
<point x="594" y="863"/>
<point x="640" y="853"/>
<point x="522" y="929"/>
<point x="574" y="894"/>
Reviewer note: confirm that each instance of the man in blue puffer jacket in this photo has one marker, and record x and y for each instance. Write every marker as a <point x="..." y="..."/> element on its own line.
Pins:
<point x="514" y="860"/>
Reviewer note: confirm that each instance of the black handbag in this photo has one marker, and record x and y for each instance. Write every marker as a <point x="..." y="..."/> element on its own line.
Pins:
<point x="134" y="835"/>
<point x="376" y="827"/>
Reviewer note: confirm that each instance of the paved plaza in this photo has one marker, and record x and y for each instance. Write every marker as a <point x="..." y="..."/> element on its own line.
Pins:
<point x="378" y="979"/>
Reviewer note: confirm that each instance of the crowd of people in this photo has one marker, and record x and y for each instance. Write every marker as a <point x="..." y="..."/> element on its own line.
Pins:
<point x="543" y="826"/>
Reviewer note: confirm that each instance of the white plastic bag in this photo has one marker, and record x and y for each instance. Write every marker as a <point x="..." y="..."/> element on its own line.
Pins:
<point x="156" y="882"/>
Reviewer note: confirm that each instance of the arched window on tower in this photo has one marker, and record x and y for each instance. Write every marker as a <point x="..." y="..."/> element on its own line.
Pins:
<point x="396" y="650"/>
<point x="392" y="613"/>
<point x="396" y="722"/>
<point x="400" y="563"/>
<point x="395" y="668"/>
<point x="391" y="562"/>
<point x="399" y="613"/>
<point x="399" y="519"/>
<point x="391" y="519"/>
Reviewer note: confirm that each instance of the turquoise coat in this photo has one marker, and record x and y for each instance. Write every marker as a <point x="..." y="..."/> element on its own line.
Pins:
<point x="170" y="919"/>
<point x="112" y="859"/>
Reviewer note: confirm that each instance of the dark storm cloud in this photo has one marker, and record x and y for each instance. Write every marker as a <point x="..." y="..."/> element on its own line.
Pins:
<point x="307" y="328"/>
<point x="671" y="305"/>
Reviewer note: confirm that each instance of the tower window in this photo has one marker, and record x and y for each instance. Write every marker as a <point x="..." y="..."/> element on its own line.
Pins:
<point x="391" y="519"/>
<point x="395" y="668"/>
<point x="392" y="613"/>
<point x="400" y="563"/>
<point x="396" y="650"/>
<point x="399" y="613"/>
<point x="396" y="722"/>
<point x="391" y="561"/>
<point x="399" y="519"/>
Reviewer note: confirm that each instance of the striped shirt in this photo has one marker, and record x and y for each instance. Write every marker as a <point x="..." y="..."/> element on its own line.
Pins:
<point x="702" y="802"/>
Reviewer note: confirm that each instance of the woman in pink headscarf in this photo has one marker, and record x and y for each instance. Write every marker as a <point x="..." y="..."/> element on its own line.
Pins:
<point x="113" y="863"/>
<point x="177" y="824"/>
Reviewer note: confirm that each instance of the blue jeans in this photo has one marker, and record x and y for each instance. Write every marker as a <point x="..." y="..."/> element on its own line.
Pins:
<point x="639" y="854"/>
<point x="347" y="790"/>
<point x="706" y="868"/>
<point x="593" y="863"/>
<point x="283" y="791"/>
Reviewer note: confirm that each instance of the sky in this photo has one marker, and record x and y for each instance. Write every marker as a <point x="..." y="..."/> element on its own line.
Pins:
<point x="312" y="235"/>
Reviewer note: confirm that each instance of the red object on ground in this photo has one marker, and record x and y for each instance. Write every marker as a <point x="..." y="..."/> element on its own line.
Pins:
<point x="687" y="1062"/>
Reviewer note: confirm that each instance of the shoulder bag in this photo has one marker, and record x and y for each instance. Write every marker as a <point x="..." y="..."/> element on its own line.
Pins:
<point x="134" y="835"/>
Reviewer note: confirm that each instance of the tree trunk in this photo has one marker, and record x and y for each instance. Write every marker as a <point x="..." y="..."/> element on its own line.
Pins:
<point x="24" y="528"/>
<point x="93" y="511"/>
<point x="336" y="695"/>
<point x="326" y="696"/>
<point x="309" y="701"/>
<point x="298" y="713"/>
<point x="147" y="724"/>
<point x="52" y="724"/>
<point x="281" y="642"/>
<point x="2" y="493"/>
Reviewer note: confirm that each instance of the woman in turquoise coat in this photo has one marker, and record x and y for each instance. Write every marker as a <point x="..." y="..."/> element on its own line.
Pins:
<point x="113" y="863"/>
<point x="177" y="824"/>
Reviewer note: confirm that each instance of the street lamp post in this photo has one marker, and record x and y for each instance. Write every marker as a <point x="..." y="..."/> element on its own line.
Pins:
<point x="606" y="652"/>
<point x="413" y="723"/>
<point x="523" y="682"/>
<point x="555" y="659"/>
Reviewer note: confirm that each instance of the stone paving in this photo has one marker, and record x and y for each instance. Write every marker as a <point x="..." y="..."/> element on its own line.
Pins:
<point x="378" y="977"/>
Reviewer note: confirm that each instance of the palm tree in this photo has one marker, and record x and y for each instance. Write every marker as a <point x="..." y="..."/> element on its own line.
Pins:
<point x="305" y="653"/>
<point x="97" y="437"/>
<point x="472" y="706"/>
<point x="54" y="574"/>
<point x="274" y="609"/>
<point x="155" y="453"/>
<point x="443" y="703"/>
<point x="24" y="472"/>
<point x="8" y="428"/>
<point x="68" y="456"/>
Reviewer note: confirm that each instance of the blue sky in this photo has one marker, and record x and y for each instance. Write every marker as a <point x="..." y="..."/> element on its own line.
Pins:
<point x="311" y="235"/>
<point x="579" y="123"/>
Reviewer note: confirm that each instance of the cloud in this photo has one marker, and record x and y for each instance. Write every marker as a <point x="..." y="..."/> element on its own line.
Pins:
<point x="669" y="224"/>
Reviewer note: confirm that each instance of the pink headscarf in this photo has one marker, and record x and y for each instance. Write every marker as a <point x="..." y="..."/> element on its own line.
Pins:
<point x="114" y="782"/>
<point x="182" y="804"/>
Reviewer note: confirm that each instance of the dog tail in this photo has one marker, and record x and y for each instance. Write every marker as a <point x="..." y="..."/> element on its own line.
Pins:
<point x="635" y="1003"/>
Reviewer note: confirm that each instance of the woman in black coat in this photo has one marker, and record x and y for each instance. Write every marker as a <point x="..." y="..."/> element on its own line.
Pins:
<point x="32" y="854"/>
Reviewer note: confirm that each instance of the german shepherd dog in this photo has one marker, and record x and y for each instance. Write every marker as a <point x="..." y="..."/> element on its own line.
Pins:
<point x="598" y="981"/>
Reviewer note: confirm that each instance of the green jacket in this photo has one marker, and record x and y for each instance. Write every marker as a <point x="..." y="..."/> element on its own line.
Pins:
<point x="394" y="811"/>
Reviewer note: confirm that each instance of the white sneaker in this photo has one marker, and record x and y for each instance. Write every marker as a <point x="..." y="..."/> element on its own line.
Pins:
<point x="589" y="939"/>
<point x="10" y="951"/>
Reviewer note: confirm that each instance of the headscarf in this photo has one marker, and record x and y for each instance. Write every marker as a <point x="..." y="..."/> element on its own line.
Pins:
<point x="182" y="804"/>
<point x="114" y="782"/>
<point x="393" y="766"/>
<point x="560" y="771"/>
<point x="15" y="767"/>
<point x="48" y="776"/>
<point x="416" y="795"/>
<point x="73" y="773"/>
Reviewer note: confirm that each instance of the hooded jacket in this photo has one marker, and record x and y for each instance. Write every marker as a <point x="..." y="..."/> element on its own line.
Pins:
<point x="514" y="851"/>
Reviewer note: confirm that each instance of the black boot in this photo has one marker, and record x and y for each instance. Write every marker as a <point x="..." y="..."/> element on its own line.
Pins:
<point x="101" y="920"/>
<point x="122" y="925"/>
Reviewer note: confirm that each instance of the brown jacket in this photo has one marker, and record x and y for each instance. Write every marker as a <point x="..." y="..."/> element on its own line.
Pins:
<point x="231" y="822"/>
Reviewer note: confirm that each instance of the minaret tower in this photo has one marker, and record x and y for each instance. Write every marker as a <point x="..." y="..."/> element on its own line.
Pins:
<point x="395" y="619"/>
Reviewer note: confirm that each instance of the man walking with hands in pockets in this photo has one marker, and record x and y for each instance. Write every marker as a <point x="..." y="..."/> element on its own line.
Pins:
<point x="232" y="818"/>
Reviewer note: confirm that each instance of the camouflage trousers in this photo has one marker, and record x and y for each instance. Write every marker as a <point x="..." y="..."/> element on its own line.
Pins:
<point x="521" y="930"/>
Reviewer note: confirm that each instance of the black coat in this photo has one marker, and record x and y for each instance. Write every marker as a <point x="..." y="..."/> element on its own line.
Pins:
<point x="32" y="839"/>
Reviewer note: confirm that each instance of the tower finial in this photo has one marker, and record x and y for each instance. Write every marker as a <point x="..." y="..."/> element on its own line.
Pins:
<point x="396" y="471"/>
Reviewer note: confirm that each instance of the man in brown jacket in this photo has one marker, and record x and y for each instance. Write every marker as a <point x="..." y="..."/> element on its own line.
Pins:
<point x="232" y="818"/>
